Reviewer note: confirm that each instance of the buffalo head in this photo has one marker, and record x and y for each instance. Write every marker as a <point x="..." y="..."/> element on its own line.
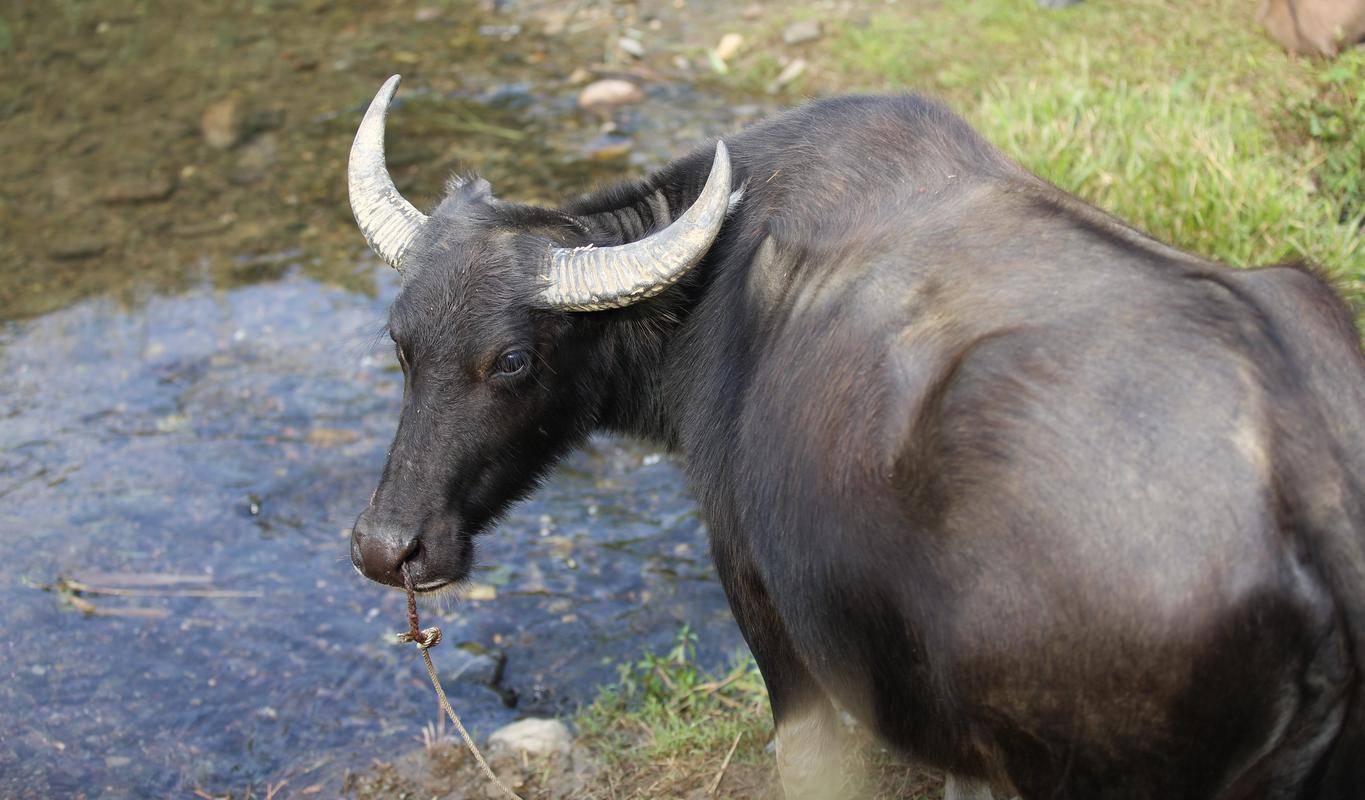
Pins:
<point x="503" y="369"/>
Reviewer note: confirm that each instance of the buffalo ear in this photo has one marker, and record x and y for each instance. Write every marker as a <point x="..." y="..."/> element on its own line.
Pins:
<point x="470" y="189"/>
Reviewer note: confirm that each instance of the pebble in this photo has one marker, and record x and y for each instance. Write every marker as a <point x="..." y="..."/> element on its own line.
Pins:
<point x="195" y="229"/>
<point x="807" y="30"/>
<point x="480" y="666"/>
<point x="222" y="123"/>
<point x="481" y="591"/>
<point x="77" y="248"/>
<point x="752" y="11"/>
<point x="152" y="189"/>
<point x="560" y="546"/>
<point x="256" y="159"/>
<point x="554" y="21"/>
<point x="631" y="47"/>
<point x="428" y="14"/>
<point x="579" y="75"/>
<point x="504" y="33"/>
<point x="795" y="69"/>
<point x="608" y="93"/>
<point x="533" y="736"/>
<point x="729" y="46"/>
<point x="331" y="437"/>
<point x="303" y="63"/>
<point x="608" y="148"/>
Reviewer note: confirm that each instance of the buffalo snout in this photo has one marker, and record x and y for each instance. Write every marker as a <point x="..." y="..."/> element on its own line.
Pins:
<point x="434" y="556"/>
<point x="379" y="552"/>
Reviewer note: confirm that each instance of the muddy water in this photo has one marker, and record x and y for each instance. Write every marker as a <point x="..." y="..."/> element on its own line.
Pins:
<point x="195" y="387"/>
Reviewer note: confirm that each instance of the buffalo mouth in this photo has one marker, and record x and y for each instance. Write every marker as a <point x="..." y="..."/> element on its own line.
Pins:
<point x="441" y="566"/>
<point x="431" y="586"/>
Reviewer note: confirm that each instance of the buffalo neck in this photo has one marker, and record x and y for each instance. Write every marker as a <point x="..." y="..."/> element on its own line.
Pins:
<point x="647" y="352"/>
<point x="670" y="356"/>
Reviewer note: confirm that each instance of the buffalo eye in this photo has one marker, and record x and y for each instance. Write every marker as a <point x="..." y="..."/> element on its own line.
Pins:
<point x="513" y="362"/>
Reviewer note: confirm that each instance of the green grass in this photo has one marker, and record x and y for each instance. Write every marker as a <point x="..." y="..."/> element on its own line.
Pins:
<point x="1176" y="161"/>
<point x="959" y="49"/>
<point x="1181" y="118"/>
<point x="1334" y="117"/>
<point x="666" y="706"/>
<point x="666" y="727"/>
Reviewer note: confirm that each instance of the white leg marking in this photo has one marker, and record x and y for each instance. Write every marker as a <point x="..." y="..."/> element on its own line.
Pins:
<point x="955" y="788"/>
<point x="810" y="758"/>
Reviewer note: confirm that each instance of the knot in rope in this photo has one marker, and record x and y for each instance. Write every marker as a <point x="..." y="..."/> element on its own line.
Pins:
<point x="427" y="637"/>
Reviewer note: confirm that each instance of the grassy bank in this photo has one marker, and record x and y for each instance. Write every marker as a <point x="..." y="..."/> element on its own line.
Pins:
<point x="1182" y="118"/>
<point x="669" y="728"/>
<point x="665" y="728"/>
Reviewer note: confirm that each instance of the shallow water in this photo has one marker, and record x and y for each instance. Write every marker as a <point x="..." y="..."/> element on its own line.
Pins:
<point x="234" y="434"/>
<point x="219" y="408"/>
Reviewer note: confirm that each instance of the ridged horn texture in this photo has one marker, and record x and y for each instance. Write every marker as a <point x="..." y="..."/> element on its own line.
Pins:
<point x="599" y="278"/>
<point x="388" y="222"/>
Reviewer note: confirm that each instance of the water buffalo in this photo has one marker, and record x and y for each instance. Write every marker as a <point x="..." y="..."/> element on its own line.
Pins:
<point x="1038" y="499"/>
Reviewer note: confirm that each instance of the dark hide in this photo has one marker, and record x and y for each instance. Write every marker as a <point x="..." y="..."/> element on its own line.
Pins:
<point x="1037" y="498"/>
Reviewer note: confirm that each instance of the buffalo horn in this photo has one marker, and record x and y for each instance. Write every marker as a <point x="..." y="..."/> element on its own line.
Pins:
<point x="598" y="278"/>
<point x="388" y="222"/>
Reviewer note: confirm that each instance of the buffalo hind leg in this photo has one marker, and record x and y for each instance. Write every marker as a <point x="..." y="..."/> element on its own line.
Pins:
<point x="810" y="757"/>
<point x="810" y="742"/>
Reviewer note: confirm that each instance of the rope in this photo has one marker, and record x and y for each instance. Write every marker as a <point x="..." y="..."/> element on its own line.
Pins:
<point x="428" y="638"/>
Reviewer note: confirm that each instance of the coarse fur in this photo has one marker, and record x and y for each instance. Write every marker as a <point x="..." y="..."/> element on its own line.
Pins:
<point x="1038" y="499"/>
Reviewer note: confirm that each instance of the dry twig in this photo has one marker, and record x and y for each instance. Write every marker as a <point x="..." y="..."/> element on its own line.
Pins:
<point x="724" y="765"/>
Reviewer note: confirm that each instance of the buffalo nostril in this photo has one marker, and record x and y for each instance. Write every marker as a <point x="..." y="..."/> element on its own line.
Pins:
<point x="379" y="553"/>
<point x="410" y="552"/>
